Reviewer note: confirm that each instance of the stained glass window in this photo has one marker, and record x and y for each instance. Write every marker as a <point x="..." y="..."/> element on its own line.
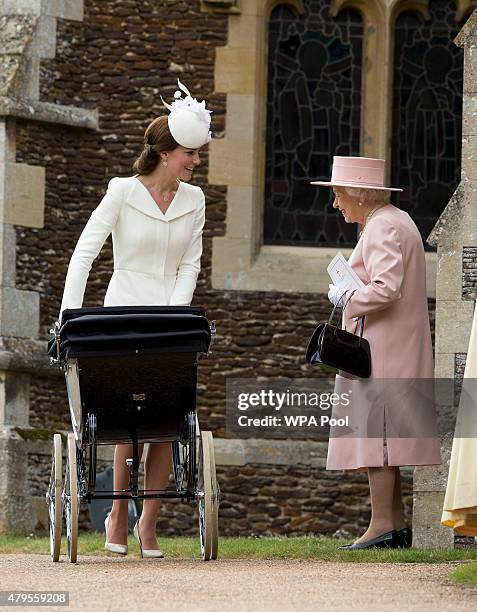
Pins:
<point x="313" y="113"/>
<point x="427" y="112"/>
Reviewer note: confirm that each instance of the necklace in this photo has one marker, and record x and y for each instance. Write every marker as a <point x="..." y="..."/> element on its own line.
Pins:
<point x="165" y="197"/>
<point x="370" y="214"/>
<point x="171" y="196"/>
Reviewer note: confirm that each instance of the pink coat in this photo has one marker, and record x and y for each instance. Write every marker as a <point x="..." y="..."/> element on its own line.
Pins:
<point x="389" y="259"/>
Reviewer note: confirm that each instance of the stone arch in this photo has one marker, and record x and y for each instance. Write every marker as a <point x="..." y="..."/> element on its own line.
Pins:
<point x="420" y="7"/>
<point x="464" y="8"/>
<point x="295" y="5"/>
<point x="372" y="11"/>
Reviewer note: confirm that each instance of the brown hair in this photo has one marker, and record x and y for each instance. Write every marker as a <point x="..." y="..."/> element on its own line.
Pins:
<point x="157" y="139"/>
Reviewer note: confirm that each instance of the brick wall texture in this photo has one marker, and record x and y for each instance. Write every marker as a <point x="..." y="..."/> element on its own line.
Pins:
<point x="119" y="60"/>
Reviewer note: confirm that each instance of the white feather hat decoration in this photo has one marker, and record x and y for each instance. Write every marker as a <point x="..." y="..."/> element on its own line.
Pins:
<point x="189" y="120"/>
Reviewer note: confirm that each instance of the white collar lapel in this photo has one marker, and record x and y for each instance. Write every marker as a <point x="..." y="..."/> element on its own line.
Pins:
<point x="181" y="204"/>
<point x="140" y="198"/>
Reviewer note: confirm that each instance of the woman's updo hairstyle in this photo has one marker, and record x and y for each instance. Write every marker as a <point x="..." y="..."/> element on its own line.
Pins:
<point x="157" y="139"/>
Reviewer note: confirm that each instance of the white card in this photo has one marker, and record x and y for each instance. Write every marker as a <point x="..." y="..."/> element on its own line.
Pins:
<point x="342" y="274"/>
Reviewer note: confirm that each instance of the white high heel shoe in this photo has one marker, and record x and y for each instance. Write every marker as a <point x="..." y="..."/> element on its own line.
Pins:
<point x="146" y="554"/>
<point x="119" y="549"/>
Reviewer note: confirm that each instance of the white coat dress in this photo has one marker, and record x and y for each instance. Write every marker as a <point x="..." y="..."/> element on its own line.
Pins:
<point x="156" y="255"/>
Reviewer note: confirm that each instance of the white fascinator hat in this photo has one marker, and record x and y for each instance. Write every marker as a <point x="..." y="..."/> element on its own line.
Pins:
<point x="188" y="120"/>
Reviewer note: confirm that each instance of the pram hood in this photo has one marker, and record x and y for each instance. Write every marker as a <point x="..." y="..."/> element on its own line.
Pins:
<point x="131" y="329"/>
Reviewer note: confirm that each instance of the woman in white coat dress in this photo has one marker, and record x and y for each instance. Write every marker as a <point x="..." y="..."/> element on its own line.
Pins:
<point x="156" y="220"/>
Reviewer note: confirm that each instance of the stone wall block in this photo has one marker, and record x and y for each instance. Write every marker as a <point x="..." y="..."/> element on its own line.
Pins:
<point x="21" y="7"/>
<point x="469" y="121"/>
<point x="444" y="365"/>
<point x="230" y="262"/>
<point x="7" y="254"/>
<point x="27" y="196"/>
<point x="45" y="39"/>
<point x="241" y="115"/>
<point x="434" y="477"/>
<point x="15" y="510"/>
<point x="9" y="73"/>
<point x="226" y="163"/>
<point x="7" y="148"/>
<point x="64" y="9"/>
<point x="72" y="10"/>
<point x="449" y="269"/>
<point x="251" y="7"/>
<point x="468" y="223"/>
<point x="14" y="398"/>
<point x="40" y="518"/>
<point x="469" y="154"/>
<point x="236" y="70"/>
<point x="270" y="452"/>
<point x="457" y="316"/>
<point x="245" y="32"/>
<point x="426" y="527"/>
<point x="239" y="200"/>
<point x="17" y="32"/>
<point x="470" y="67"/>
<point x="431" y="274"/>
<point x="28" y="80"/>
<point x="20" y="315"/>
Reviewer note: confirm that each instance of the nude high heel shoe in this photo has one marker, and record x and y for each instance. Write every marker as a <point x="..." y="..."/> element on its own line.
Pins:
<point x="119" y="549"/>
<point x="146" y="554"/>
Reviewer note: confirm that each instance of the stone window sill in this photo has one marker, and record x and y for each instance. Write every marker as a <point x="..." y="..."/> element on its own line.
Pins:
<point x="282" y="268"/>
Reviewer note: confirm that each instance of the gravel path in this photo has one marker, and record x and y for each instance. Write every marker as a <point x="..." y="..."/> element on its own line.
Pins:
<point x="112" y="583"/>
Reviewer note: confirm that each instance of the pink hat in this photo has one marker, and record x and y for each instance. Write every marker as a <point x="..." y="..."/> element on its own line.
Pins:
<point x="360" y="172"/>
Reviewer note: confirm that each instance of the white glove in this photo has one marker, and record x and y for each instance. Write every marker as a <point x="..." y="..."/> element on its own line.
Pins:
<point x="338" y="295"/>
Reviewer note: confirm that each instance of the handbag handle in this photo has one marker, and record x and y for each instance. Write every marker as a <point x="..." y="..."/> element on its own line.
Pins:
<point x="330" y="320"/>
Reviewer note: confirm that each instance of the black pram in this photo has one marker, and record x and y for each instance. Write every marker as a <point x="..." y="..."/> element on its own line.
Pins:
<point x="131" y="376"/>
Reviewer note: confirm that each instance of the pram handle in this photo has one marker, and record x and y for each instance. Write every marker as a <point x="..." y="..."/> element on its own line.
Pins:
<point x="55" y="331"/>
<point x="213" y="333"/>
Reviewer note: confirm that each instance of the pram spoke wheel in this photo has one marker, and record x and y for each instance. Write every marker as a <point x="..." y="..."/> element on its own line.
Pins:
<point x="215" y="500"/>
<point x="207" y="508"/>
<point x="70" y="499"/>
<point x="53" y="499"/>
<point x="184" y="457"/>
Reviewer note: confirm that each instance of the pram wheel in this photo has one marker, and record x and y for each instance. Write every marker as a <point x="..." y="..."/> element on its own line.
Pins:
<point x="206" y="492"/>
<point x="70" y="499"/>
<point x="53" y="499"/>
<point x="184" y="457"/>
<point x="215" y="500"/>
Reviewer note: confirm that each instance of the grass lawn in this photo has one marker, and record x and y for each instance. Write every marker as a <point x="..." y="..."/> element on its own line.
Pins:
<point x="467" y="574"/>
<point x="322" y="549"/>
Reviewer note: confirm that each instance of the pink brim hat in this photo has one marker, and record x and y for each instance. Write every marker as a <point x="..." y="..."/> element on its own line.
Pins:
<point x="357" y="172"/>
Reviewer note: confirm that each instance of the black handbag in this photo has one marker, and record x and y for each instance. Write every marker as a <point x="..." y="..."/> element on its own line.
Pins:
<point x="334" y="349"/>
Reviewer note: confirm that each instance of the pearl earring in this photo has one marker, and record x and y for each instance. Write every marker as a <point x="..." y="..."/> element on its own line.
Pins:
<point x="360" y="203"/>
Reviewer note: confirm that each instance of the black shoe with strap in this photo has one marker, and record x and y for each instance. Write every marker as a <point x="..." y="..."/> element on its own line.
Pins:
<point x="385" y="540"/>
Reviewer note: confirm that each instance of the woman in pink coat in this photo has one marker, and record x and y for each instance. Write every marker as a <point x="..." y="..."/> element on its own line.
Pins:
<point x="392" y="419"/>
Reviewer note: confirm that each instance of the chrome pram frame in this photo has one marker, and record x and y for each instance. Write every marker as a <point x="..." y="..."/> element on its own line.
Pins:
<point x="192" y="450"/>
